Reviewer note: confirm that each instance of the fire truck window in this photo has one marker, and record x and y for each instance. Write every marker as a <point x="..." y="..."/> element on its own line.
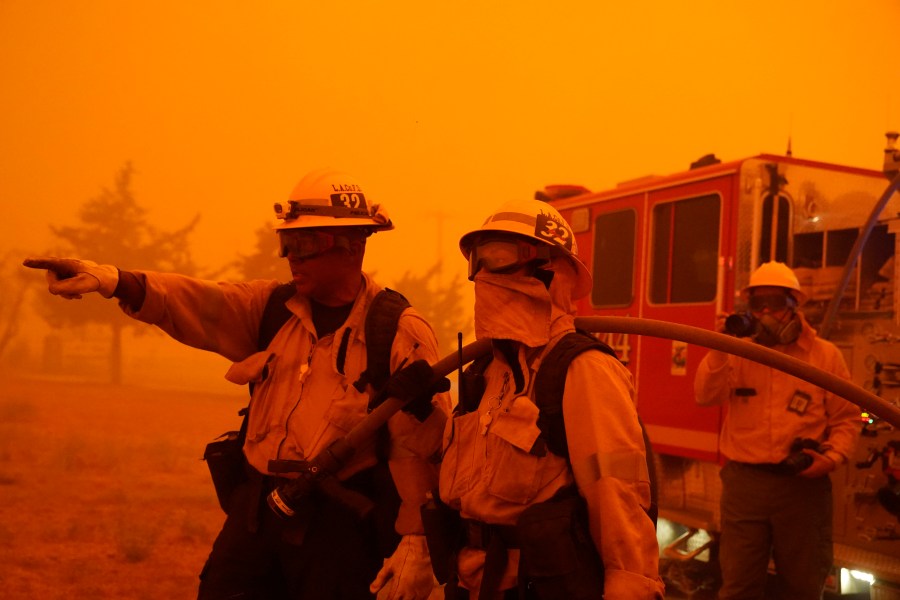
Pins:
<point x="809" y="250"/>
<point x="685" y="251"/>
<point x="878" y="266"/>
<point x="660" y="250"/>
<point x="775" y="218"/>
<point x="878" y="251"/>
<point x="838" y="244"/>
<point x="613" y="260"/>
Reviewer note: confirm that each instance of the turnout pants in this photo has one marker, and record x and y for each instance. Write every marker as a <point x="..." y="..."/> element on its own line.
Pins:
<point x="784" y="517"/>
<point x="325" y="554"/>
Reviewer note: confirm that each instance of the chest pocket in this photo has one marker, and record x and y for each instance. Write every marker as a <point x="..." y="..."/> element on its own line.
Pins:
<point x="347" y="407"/>
<point x="328" y="406"/>
<point x="497" y="463"/>
<point x="515" y="473"/>
<point x="462" y="443"/>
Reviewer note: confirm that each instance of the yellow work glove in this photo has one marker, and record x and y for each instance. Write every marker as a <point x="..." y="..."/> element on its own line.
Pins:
<point x="407" y="573"/>
<point x="71" y="277"/>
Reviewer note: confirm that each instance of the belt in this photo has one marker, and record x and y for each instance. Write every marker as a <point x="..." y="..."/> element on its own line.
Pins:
<point x="773" y="468"/>
<point x="495" y="540"/>
<point x="480" y="534"/>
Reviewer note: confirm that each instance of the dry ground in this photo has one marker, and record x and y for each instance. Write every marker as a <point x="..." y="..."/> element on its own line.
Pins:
<point x="102" y="490"/>
<point x="103" y="494"/>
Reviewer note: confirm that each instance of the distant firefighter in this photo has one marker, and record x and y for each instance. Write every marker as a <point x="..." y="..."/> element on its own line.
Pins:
<point x="782" y="437"/>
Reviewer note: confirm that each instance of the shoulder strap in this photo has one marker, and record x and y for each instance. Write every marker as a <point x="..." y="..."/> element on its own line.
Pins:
<point x="382" y="319"/>
<point x="550" y="382"/>
<point x="380" y="327"/>
<point x="275" y="314"/>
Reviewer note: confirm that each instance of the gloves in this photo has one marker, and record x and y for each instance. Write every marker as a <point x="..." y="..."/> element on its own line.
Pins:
<point x="407" y="572"/>
<point x="415" y="384"/>
<point x="71" y="277"/>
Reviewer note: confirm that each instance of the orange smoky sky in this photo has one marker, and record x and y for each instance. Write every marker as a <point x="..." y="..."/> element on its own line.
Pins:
<point x="444" y="110"/>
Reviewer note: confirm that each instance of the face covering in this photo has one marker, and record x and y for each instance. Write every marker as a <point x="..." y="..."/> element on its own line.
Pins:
<point x="512" y="307"/>
<point x="774" y="332"/>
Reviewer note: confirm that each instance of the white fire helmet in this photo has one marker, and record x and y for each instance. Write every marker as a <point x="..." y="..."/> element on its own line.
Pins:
<point x="776" y="274"/>
<point x="538" y="221"/>
<point x="330" y="198"/>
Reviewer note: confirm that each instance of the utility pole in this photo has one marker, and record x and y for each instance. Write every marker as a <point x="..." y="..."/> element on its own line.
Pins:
<point x="440" y="217"/>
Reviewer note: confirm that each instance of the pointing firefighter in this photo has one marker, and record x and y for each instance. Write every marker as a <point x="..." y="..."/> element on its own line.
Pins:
<point x="782" y="437"/>
<point x="544" y="463"/>
<point x="311" y="381"/>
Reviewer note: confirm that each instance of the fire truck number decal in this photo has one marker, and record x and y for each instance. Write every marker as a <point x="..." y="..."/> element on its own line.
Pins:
<point x="618" y="342"/>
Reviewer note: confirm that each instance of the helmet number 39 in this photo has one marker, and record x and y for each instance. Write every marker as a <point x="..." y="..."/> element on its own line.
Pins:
<point x="348" y="200"/>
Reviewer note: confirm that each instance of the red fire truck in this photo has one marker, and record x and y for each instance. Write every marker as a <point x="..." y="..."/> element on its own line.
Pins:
<point x="679" y="248"/>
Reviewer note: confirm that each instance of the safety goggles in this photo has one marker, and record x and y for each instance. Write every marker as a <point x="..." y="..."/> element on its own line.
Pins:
<point x="504" y="255"/>
<point x="306" y="243"/>
<point x="774" y="302"/>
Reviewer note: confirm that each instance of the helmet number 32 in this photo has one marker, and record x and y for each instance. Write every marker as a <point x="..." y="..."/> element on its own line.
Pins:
<point x="551" y="230"/>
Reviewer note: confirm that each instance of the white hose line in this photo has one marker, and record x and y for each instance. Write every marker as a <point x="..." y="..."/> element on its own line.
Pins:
<point x="726" y="343"/>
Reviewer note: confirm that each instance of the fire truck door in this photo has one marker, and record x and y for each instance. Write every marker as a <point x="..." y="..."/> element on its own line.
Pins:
<point x="683" y="283"/>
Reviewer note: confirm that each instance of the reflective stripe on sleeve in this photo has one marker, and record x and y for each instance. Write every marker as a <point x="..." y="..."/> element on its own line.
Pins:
<point x="630" y="466"/>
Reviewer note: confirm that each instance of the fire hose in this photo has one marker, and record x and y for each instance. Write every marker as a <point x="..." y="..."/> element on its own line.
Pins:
<point x="739" y="347"/>
<point x="321" y="469"/>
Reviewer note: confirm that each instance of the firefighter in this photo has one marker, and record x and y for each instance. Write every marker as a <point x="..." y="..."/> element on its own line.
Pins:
<point x="303" y="398"/>
<point x="517" y="472"/>
<point x="782" y="437"/>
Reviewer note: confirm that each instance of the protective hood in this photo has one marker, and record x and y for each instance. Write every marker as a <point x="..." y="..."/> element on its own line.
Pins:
<point x="523" y="308"/>
<point x="563" y="288"/>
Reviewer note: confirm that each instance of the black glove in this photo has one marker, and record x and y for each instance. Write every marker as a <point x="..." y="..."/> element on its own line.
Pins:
<point x="415" y="384"/>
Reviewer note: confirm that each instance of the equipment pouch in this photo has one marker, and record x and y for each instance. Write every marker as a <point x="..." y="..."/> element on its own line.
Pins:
<point x="443" y="534"/>
<point x="225" y="458"/>
<point x="558" y="556"/>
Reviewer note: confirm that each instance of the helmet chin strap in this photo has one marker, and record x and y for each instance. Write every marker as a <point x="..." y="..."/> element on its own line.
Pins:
<point x="545" y="276"/>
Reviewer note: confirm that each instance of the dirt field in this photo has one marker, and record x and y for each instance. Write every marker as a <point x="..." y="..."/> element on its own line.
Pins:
<point x="102" y="490"/>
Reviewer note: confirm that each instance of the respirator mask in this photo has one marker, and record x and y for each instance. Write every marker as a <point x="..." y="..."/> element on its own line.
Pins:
<point x="777" y="332"/>
<point x="768" y="329"/>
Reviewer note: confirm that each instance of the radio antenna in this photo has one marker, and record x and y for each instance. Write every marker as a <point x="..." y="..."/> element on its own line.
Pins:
<point x="790" y="134"/>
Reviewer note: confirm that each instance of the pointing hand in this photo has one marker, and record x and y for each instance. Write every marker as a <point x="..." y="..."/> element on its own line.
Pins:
<point x="72" y="277"/>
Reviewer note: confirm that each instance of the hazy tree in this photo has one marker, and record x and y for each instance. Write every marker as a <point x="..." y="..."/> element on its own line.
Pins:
<point x="264" y="262"/>
<point x="18" y="282"/>
<point x="441" y="305"/>
<point x="114" y="229"/>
